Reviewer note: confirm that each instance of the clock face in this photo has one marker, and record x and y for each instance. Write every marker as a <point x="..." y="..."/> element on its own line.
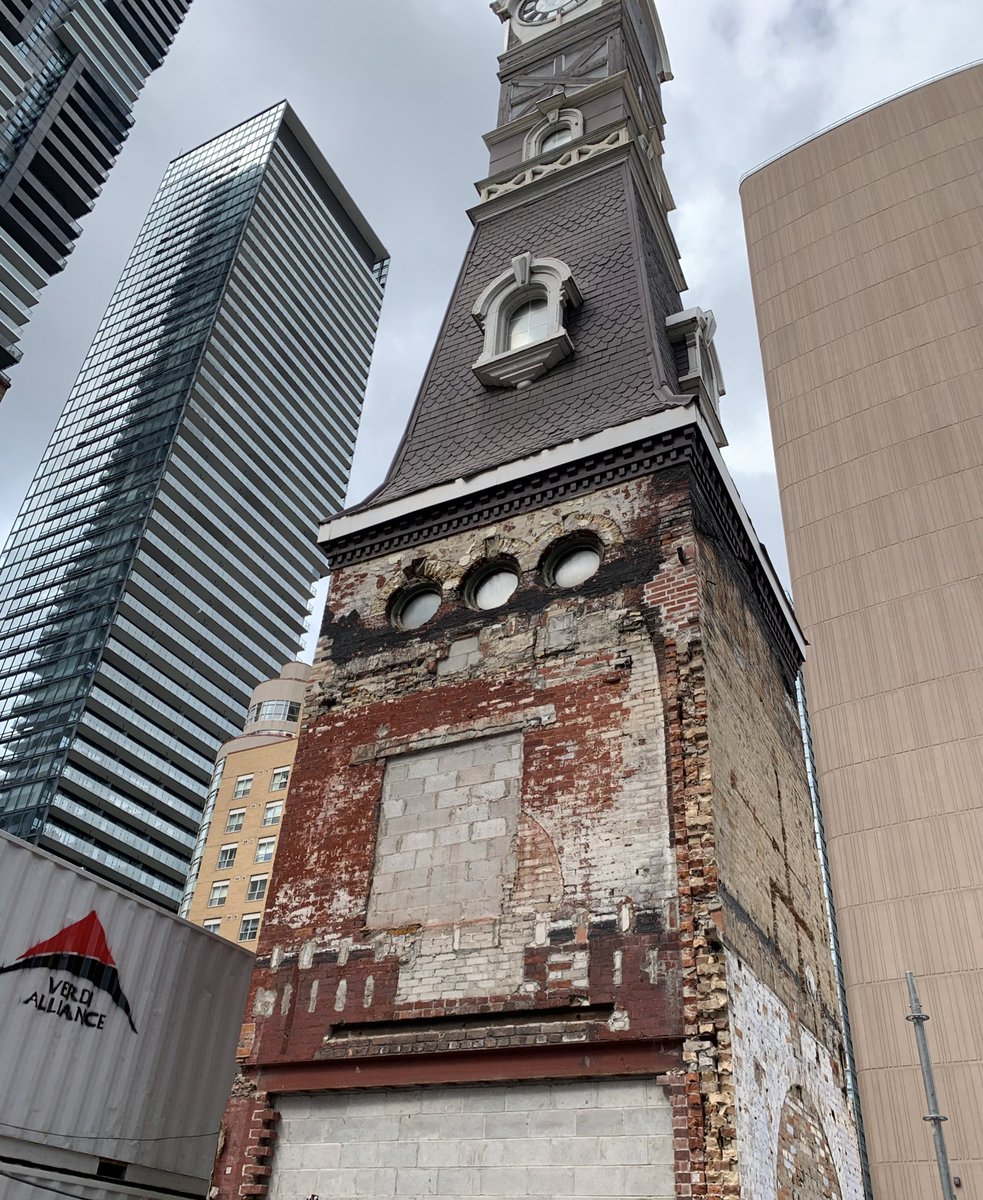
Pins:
<point x="538" y="12"/>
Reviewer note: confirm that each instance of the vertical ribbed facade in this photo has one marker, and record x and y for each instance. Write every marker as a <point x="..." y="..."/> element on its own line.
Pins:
<point x="161" y="563"/>
<point x="866" y="253"/>
<point x="70" y="72"/>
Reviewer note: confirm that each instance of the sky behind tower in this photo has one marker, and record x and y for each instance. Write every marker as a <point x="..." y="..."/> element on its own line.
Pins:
<point x="397" y="94"/>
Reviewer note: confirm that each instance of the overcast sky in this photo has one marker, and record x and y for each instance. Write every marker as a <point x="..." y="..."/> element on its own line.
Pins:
<point x="397" y="93"/>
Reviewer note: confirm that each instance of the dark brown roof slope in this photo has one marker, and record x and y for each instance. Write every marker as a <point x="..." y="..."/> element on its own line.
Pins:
<point x="622" y="365"/>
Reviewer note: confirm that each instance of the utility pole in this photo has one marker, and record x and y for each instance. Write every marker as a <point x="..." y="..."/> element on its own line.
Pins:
<point x="918" y="1019"/>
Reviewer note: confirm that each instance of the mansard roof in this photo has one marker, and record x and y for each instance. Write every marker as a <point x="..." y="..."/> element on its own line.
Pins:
<point x="622" y="367"/>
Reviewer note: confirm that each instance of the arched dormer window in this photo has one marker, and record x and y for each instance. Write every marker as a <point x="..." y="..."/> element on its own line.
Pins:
<point x="559" y="126"/>
<point x="521" y="314"/>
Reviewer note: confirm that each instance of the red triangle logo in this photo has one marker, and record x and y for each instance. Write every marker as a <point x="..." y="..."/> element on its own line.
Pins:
<point x="86" y="938"/>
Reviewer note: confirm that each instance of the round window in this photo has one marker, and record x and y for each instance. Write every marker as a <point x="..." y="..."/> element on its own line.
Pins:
<point x="416" y="606"/>
<point x="492" y="587"/>
<point x="573" y="565"/>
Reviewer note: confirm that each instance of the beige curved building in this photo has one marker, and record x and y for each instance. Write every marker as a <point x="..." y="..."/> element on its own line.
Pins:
<point x="866" y="252"/>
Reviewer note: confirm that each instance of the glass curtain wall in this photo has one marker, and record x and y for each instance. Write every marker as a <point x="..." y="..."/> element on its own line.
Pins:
<point x="161" y="564"/>
<point x="70" y="551"/>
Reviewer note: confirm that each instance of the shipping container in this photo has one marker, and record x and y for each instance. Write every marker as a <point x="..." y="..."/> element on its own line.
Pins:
<point x="118" y="1030"/>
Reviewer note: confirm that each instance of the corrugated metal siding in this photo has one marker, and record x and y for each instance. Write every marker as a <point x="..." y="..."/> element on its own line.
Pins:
<point x="154" y="1097"/>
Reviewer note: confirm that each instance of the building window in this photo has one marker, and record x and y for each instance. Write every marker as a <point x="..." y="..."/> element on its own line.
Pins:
<point x="557" y="128"/>
<point x="244" y="785"/>
<point x="226" y="857"/>
<point x="274" y="710"/>
<point x="249" y="928"/>
<point x="528" y="323"/>
<point x="490" y="585"/>
<point x="257" y="887"/>
<point x="278" y="780"/>
<point x="522" y="314"/>
<point x="236" y="818"/>
<point x="218" y="895"/>
<point x="555" y="139"/>
<point x="573" y="561"/>
<point x="414" y="606"/>
<point x="273" y="813"/>
<point x="264" y="849"/>
<point x="212" y="926"/>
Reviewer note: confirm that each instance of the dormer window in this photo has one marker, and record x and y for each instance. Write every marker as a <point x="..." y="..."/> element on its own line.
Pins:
<point x="522" y="314"/>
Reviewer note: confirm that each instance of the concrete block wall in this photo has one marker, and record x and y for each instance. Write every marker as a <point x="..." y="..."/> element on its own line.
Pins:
<point x="447" y="833"/>
<point x="592" y="1141"/>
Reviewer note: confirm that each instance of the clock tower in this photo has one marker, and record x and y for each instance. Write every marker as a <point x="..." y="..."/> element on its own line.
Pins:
<point x="548" y="917"/>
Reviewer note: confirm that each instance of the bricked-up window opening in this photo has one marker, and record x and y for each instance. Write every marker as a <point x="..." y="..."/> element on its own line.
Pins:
<point x="257" y="887"/>
<point x="264" y="849"/>
<point x="450" y="817"/>
<point x="279" y="778"/>
<point x="236" y="820"/>
<point x="414" y="606"/>
<point x="606" y="1140"/>
<point x="273" y="813"/>
<point x="218" y="895"/>
<point x="226" y="857"/>
<point x="244" y="785"/>
<point x="249" y="928"/>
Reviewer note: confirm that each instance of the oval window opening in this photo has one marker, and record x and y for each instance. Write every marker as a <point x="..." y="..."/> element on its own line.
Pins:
<point x="494" y="589"/>
<point x="573" y="565"/>
<point x="416" y="608"/>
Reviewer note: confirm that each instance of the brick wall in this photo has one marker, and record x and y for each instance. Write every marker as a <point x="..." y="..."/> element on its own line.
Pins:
<point x="623" y="756"/>
<point x="794" y="1128"/>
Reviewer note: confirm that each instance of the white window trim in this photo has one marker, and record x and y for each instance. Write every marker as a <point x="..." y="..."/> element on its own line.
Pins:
<point x="258" y="918"/>
<point x="571" y="118"/>
<point x="265" y="880"/>
<point x="528" y="277"/>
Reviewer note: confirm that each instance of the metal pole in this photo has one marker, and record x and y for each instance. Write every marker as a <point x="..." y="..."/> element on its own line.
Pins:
<point x="918" y="1019"/>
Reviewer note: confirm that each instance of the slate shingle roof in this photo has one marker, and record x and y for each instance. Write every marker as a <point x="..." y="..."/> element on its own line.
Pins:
<point x="622" y="368"/>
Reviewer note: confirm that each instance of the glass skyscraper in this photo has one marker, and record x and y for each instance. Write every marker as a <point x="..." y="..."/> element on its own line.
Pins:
<point x="161" y="563"/>
<point x="70" y="71"/>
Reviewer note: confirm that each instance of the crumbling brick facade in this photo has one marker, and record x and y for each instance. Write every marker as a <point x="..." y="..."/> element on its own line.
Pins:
<point x="545" y="841"/>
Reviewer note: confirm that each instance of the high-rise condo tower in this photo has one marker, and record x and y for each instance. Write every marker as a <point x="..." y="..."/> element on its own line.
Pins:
<point x="70" y="72"/>
<point x="160" y="566"/>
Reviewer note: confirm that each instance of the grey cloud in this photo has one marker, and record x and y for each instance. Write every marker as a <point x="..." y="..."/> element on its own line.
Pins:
<point x="398" y="92"/>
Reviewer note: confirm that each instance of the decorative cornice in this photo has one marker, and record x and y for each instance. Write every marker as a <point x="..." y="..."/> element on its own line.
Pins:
<point x="573" y="155"/>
